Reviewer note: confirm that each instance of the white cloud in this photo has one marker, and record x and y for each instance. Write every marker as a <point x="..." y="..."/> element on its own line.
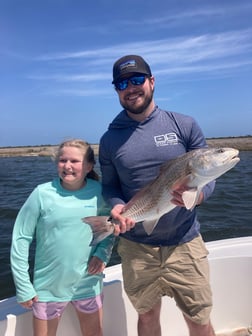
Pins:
<point x="187" y="54"/>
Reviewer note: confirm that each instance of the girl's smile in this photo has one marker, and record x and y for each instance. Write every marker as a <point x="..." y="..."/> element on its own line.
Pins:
<point x="72" y="169"/>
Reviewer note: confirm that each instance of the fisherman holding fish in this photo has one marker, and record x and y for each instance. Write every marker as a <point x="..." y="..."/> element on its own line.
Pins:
<point x="172" y="258"/>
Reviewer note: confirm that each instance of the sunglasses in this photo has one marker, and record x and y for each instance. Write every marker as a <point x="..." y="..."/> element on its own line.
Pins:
<point x="135" y="80"/>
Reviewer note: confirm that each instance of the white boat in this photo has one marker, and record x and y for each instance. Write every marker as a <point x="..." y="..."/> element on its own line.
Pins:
<point x="231" y="280"/>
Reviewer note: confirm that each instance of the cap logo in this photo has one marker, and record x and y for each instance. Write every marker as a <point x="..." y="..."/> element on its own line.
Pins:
<point x="128" y="64"/>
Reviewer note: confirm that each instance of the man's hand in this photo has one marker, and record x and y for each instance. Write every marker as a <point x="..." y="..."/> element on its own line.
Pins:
<point x="125" y="223"/>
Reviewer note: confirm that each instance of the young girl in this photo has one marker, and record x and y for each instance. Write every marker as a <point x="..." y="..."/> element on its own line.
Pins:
<point x="66" y="268"/>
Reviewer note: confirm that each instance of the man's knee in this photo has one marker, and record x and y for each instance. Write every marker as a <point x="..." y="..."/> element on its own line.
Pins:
<point x="197" y="329"/>
<point x="151" y="315"/>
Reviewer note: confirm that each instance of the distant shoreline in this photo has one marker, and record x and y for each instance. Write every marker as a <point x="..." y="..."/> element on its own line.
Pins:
<point x="240" y="143"/>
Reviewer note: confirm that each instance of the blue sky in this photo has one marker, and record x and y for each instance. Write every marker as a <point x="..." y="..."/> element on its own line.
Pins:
<point x="57" y="57"/>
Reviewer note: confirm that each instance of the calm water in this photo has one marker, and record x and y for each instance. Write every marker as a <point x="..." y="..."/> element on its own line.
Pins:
<point x="227" y="214"/>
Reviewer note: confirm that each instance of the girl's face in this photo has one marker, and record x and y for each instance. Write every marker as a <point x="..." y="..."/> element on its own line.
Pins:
<point x="72" y="168"/>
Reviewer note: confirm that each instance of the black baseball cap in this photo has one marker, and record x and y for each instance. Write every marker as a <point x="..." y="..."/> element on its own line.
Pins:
<point x="130" y="64"/>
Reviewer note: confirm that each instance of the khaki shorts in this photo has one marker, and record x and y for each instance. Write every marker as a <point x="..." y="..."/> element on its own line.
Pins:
<point x="181" y="272"/>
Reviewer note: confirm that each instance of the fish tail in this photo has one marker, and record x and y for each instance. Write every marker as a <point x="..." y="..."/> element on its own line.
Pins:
<point x="101" y="227"/>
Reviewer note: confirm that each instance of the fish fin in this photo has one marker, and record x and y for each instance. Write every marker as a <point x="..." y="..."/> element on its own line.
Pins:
<point x="190" y="198"/>
<point x="101" y="228"/>
<point x="149" y="225"/>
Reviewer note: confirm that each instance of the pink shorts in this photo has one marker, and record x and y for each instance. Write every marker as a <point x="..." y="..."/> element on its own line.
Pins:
<point x="51" y="310"/>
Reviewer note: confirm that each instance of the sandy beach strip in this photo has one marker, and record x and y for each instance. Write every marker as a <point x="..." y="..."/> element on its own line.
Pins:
<point x="241" y="143"/>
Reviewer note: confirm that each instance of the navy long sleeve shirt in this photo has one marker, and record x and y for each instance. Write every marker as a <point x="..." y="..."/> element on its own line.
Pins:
<point x="131" y="154"/>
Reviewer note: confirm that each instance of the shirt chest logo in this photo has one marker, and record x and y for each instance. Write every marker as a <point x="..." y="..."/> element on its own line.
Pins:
<point x="166" y="139"/>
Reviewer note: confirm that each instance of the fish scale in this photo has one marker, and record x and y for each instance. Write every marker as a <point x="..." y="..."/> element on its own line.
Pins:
<point x="155" y="196"/>
<point x="189" y="172"/>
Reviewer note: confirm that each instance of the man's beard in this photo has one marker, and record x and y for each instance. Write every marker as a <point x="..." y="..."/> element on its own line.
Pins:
<point x="139" y="109"/>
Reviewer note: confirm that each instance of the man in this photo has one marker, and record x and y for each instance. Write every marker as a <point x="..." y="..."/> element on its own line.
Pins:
<point x="173" y="259"/>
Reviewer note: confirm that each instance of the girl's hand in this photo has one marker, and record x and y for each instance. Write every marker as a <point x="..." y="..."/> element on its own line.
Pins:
<point x="28" y="304"/>
<point x="95" y="265"/>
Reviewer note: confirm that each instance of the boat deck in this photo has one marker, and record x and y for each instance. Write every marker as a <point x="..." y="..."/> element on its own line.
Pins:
<point x="231" y="274"/>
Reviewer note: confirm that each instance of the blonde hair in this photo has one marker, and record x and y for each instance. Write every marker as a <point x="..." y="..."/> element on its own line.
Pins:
<point x="88" y="154"/>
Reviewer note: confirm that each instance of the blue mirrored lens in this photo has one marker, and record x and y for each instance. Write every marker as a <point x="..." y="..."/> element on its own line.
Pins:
<point x="136" y="80"/>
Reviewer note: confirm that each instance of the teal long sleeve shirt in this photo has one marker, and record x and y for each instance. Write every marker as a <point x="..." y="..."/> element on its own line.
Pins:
<point x="53" y="216"/>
